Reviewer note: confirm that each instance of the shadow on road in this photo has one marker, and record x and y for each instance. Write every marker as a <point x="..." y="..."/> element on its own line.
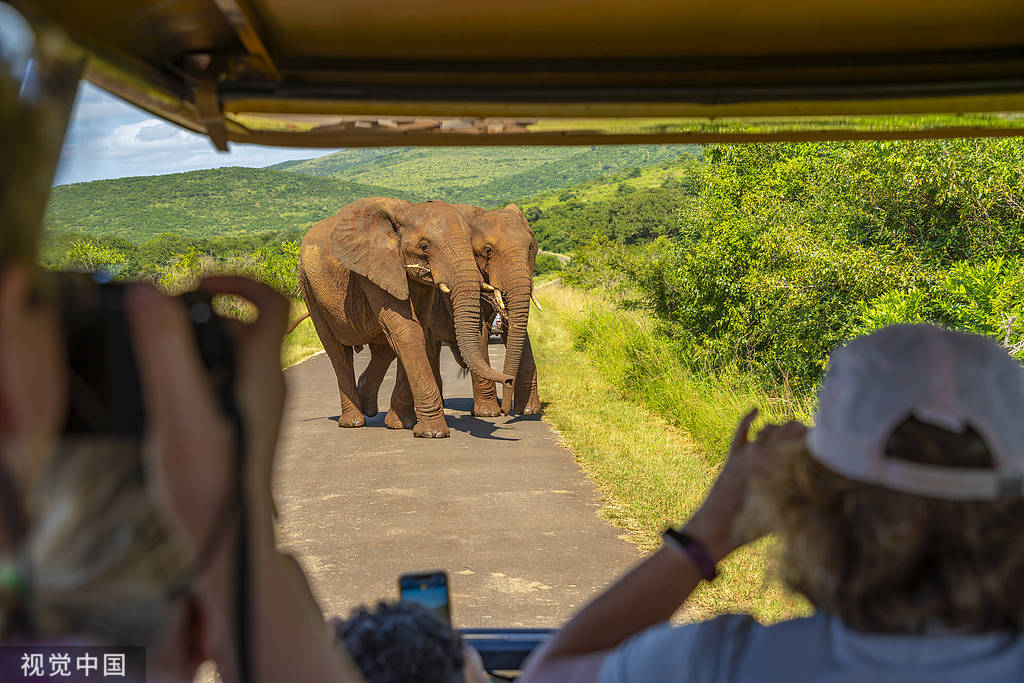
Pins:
<point x="466" y="423"/>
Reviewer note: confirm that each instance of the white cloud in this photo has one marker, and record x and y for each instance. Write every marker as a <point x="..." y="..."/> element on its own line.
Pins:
<point x="110" y="139"/>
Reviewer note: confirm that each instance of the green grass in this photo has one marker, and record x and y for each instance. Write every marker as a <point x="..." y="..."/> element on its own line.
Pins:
<point x="650" y="471"/>
<point x="486" y="176"/>
<point x="302" y="342"/>
<point x="222" y="201"/>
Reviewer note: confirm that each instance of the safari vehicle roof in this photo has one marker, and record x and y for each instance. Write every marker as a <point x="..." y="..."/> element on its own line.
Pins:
<point x="407" y="72"/>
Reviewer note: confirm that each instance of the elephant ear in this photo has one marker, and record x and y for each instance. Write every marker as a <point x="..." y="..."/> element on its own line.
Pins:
<point x="468" y="211"/>
<point x="364" y="239"/>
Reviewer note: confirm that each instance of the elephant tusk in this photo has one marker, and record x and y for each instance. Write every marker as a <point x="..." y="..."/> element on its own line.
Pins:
<point x="487" y="288"/>
<point x="416" y="265"/>
<point x="498" y="300"/>
<point x="537" y="303"/>
<point x="444" y="288"/>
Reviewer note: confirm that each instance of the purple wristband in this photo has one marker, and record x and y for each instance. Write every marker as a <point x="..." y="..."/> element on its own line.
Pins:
<point x="693" y="549"/>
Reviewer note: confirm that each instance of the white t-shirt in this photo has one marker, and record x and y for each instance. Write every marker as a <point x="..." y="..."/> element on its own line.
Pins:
<point x="736" y="649"/>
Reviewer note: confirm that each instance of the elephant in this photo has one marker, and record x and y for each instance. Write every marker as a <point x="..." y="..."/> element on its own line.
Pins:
<point x="370" y="274"/>
<point x="505" y="250"/>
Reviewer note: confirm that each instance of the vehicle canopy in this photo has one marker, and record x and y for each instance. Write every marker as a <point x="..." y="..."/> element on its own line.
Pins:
<point x="460" y="72"/>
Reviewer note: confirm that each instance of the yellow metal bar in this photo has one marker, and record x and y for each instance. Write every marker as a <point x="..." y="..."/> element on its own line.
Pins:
<point x="583" y="110"/>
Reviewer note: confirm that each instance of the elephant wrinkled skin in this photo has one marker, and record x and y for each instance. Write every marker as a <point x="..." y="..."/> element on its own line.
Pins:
<point x="505" y="250"/>
<point x="370" y="274"/>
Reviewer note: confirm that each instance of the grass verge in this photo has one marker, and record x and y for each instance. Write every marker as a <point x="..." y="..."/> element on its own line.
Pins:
<point x="302" y="342"/>
<point x="649" y="434"/>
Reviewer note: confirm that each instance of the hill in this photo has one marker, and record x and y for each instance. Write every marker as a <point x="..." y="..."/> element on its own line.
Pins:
<point x="222" y="201"/>
<point x="487" y="176"/>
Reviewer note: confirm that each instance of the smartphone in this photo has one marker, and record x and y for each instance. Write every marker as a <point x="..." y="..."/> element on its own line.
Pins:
<point x="429" y="589"/>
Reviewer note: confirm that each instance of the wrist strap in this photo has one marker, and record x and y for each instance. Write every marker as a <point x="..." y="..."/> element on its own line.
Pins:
<point x="693" y="549"/>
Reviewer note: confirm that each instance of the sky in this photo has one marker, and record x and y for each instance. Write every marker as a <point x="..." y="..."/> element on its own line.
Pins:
<point x="108" y="138"/>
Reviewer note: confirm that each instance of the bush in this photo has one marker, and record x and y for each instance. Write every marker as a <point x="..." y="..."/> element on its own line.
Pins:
<point x="547" y="263"/>
<point x="787" y="250"/>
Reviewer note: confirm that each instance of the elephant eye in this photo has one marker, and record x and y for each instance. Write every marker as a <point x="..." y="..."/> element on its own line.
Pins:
<point x="488" y="251"/>
<point x="424" y="245"/>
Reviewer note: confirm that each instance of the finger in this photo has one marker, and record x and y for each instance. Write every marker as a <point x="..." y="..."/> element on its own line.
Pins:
<point x="174" y="385"/>
<point x="13" y="291"/>
<point x="273" y="308"/>
<point x="743" y="430"/>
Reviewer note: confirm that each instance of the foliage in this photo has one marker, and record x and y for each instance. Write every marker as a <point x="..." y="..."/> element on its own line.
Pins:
<point x="547" y="263"/>
<point x="87" y="255"/>
<point x="783" y="251"/>
<point x="485" y="176"/>
<point x="202" y="204"/>
<point x="980" y="297"/>
<point x="651" y="433"/>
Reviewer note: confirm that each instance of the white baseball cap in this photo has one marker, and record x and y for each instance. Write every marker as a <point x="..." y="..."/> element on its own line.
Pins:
<point x="943" y="378"/>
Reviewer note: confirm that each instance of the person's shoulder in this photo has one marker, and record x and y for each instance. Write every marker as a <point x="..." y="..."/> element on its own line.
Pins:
<point x="698" y="651"/>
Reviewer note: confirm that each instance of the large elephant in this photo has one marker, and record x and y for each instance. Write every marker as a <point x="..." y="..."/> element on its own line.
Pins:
<point x="505" y="250"/>
<point x="370" y="273"/>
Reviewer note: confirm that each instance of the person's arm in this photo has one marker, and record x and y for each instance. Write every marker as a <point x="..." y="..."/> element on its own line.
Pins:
<point x="193" y="473"/>
<point x="653" y="590"/>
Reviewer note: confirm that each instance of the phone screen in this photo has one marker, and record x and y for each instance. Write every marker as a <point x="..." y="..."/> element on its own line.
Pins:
<point x="429" y="589"/>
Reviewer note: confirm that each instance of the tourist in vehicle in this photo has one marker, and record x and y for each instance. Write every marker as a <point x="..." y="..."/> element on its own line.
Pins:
<point x="404" y="641"/>
<point x="102" y="546"/>
<point x="900" y="517"/>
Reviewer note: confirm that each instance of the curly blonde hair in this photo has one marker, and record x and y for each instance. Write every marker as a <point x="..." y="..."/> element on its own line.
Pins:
<point x="891" y="562"/>
<point x="97" y="561"/>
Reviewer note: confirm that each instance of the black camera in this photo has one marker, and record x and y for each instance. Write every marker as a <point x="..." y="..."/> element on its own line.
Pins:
<point x="104" y="390"/>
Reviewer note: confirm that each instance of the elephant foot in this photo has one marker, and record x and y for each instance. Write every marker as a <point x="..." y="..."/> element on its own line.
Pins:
<point x="532" y="406"/>
<point x="369" y="401"/>
<point x="435" y="428"/>
<point x="351" y="420"/>
<point x="395" y="421"/>
<point x="486" y="408"/>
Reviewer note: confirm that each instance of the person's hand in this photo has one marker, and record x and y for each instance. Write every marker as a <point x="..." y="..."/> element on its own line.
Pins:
<point x="33" y="376"/>
<point x="473" y="669"/>
<point x="714" y="522"/>
<point x="192" y="454"/>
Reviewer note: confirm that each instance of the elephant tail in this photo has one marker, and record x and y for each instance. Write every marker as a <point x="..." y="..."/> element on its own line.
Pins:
<point x="296" y="323"/>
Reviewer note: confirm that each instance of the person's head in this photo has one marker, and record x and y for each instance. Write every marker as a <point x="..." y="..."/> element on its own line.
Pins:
<point x="905" y="511"/>
<point x="97" y="565"/>
<point x="402" y="641"/>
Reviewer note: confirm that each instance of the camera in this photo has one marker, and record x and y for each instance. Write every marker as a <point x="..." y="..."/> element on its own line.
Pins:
<point x="104" y="389"/>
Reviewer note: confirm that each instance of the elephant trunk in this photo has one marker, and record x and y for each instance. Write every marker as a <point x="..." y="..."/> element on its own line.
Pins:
<point x="517" y="292"/>
<point x="465" y="292"/>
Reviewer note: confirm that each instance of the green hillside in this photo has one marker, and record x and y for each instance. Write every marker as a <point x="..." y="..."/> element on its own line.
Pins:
<point x="221" y="201"/>
<point x="487" y="176"/>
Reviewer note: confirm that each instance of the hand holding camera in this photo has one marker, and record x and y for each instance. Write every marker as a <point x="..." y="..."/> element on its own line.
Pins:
<point x="717" y="523"/>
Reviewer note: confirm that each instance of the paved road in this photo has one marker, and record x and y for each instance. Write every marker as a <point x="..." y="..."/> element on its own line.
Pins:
<point x="500" y="505"/>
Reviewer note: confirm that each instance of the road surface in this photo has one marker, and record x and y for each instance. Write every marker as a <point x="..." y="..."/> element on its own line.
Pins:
<point x="500" y="505"/>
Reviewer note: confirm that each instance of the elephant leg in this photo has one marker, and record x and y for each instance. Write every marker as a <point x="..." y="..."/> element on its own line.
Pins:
<point x="485" y="398"/>
<point x="434" y="356"/>
<point x="402" y="413"/>
<point x="526" y="384"/>
<point x="407" y="339"/>
<point x="341" y="359"/>
<point x="381" y="356"/>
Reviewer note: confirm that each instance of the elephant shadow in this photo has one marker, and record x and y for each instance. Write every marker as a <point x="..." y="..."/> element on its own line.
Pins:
<point x="468" y="423"/>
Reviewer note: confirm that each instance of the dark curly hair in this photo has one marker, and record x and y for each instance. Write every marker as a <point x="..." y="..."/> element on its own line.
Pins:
<point x="402" y="642"/>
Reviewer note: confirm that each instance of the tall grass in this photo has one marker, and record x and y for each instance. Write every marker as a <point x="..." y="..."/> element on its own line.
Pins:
<point x="302" y="342"/>
<point x="649" y="434"/>
<point x="629" y="351"/>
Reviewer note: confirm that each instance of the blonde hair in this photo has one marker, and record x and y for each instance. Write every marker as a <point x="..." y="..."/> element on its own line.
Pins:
<point x="886" y="561"/>
<point x="97" y="561"/>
